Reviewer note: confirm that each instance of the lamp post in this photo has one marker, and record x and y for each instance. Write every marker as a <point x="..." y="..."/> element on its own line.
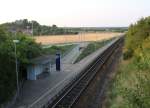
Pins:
<point x="32" y="28"/>
<point x="17" y="81"/>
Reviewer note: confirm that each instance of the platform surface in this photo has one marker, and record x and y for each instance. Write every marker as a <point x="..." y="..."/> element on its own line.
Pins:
<point x="36" y="93"/>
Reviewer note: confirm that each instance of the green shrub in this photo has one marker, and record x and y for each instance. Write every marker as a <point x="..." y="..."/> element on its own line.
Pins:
<point x="58" y="49"/>
<point x="131" y="83"/>
<point x="26" y="49"/>
<point x="127" y="54"/>
<point x="92" y="47"/>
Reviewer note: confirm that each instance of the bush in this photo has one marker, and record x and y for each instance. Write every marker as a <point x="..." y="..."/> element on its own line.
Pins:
<point x="127" y="54"/>
<point x="138" y="36"/>
<point x="130" y="87"/>
<point x="26" y="49"/>
<point x="92" y="47"/>
<point x="131" y="84"/>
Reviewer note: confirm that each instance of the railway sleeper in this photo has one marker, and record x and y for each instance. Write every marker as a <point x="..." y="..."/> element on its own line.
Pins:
<point x="67" y="100"/>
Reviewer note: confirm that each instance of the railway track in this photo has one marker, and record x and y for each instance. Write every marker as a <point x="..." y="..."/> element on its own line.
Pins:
<point x="71" y="93"/>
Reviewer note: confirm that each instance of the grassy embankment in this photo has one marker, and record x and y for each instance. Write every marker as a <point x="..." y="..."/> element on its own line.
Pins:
<point x="92" y="47"/>
<point x="131" y="86"/>
<point x="58" y="49"/>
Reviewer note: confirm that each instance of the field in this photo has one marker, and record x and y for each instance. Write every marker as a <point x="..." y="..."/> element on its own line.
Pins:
<point x="54" y="39"/>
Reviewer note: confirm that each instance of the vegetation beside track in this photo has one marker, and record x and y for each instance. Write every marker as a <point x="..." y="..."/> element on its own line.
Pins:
<point x="92" y="47"/>
<point x="130" y="87"/>
<point x="27" y="49"/>
<point x="58" y="49"/>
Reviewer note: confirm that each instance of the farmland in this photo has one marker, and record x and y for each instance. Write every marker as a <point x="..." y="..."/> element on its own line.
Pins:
<point x="82" y="37"/>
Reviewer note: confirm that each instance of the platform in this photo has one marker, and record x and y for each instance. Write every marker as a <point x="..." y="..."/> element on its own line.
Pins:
<point x="36" y="93"/>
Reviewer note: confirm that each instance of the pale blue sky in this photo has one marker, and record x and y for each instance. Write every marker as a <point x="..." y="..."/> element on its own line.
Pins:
<point x="75" y="13"/>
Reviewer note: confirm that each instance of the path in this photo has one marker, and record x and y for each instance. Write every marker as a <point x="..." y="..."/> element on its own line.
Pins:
<point x="72" y="55"/>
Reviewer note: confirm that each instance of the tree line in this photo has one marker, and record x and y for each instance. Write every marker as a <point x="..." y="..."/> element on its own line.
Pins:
<point x="137" y="50"/>
<point x="138" y="42"/>
<point x="34" y="28"/>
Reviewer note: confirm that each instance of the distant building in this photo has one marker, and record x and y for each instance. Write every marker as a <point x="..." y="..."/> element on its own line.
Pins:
<point x="27" y="31"/>
<point x="39" y="66"/>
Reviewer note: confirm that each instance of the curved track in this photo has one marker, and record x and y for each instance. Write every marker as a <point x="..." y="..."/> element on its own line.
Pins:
<point x="71" y="93"/>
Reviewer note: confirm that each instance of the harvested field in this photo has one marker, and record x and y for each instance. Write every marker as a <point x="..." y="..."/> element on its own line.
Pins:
<point x="54" y="39"/>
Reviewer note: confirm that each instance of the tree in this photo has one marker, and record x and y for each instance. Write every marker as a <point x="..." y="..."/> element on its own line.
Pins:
<point x="137" y="41"/>
<point x="21" y="25"/>
<point x="26" y="49"/>
<point x="54" y="26"/>
<point x="3" y="35"/>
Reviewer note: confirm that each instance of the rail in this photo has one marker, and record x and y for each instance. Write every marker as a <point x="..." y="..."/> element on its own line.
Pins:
<point x="68" y="96"/>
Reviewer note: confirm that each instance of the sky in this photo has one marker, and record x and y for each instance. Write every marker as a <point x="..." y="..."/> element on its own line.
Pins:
<point x="75" y="13"/>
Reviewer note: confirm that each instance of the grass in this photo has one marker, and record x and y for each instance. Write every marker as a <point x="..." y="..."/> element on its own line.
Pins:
<point x="92" y="47"/>
<point x="63" y="50"/>
<point x="130" y="87"/>
<point x="58" y="49"/>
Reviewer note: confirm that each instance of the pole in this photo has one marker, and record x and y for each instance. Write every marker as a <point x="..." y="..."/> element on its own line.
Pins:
<point x="32" y="28"/>
<point x="16" y="68"/>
